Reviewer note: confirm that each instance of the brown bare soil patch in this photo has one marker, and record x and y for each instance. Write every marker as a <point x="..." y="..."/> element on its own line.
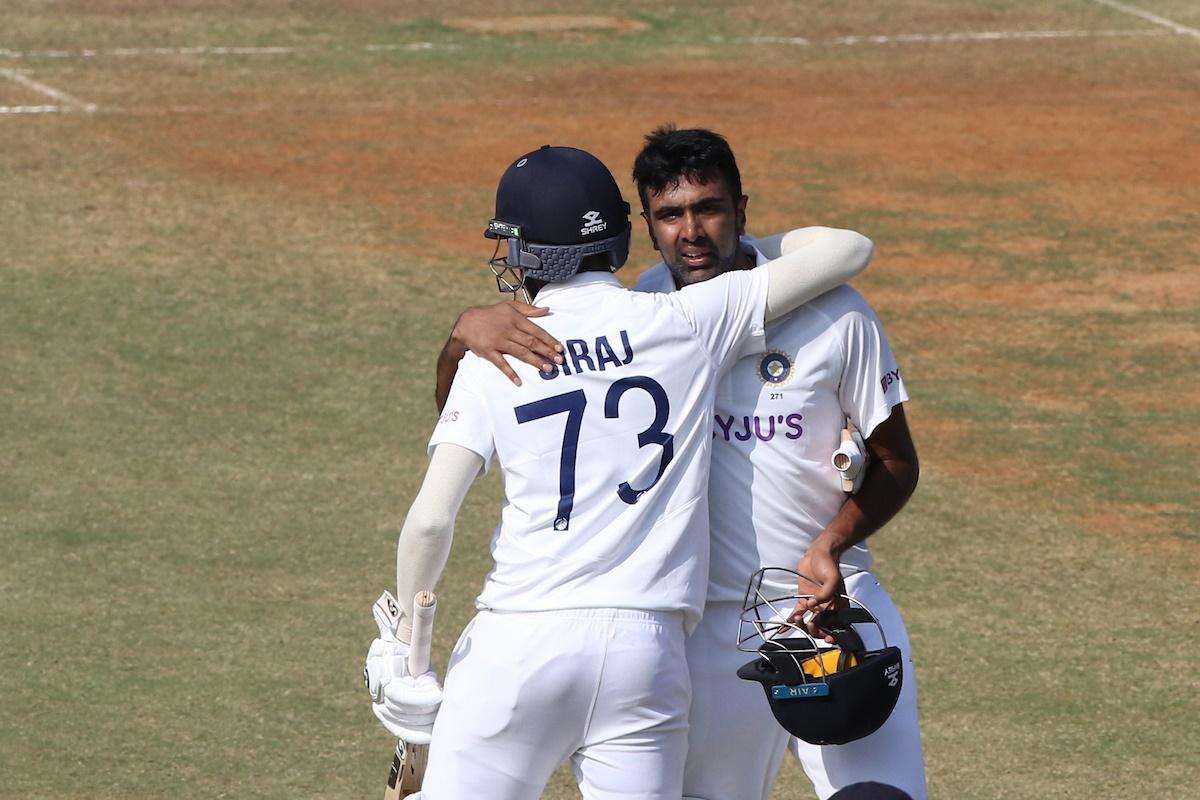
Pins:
<point x="544" y="23"/>
<point x="978" y="150"/>
<point x="1145" y="526"/>
<point x="948" y="446"/>
<point x="1060" y="403"/>
<point x="1078" y="156"/>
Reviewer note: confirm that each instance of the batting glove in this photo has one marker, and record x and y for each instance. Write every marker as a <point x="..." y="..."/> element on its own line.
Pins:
<point x="406" y="704"/>
<point x="409" y="708"/>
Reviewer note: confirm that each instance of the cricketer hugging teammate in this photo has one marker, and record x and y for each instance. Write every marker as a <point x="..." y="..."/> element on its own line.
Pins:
<point x="670" y="503"/>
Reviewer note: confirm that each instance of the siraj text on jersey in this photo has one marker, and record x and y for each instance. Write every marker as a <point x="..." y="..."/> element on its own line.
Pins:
<point x="578" y="356"/>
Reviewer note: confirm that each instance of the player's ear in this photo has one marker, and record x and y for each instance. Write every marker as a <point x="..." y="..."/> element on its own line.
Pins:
<point x="650" y="230"/>
<point x="741" y="214"/>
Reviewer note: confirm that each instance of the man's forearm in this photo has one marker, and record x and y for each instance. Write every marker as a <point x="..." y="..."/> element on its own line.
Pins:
<point x="889" y="483"/>
<point x="447" y="368"/>
<point x="424" y="542"/>
<point x="814" y="261"/>
<point x="891" y="478"/>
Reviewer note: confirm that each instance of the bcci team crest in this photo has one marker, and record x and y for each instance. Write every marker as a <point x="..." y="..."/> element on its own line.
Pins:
<point x="775" y="367"/>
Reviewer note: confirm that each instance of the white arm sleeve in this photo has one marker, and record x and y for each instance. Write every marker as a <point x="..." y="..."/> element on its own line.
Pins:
<point x="770" y="246"/>
<point x="814" y="261"/>
<point x="424" y="543"/>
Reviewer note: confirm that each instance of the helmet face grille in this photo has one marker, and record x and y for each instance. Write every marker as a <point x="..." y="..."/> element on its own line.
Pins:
<point x="764" y="626"/>
<point x="819" y="693"/>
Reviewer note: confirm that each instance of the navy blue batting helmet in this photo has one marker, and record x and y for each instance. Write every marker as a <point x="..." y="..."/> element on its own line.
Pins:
<point x="819" y="693"/>
<point x="556" y="206"/>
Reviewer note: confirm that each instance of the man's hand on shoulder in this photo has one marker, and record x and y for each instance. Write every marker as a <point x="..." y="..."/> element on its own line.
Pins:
<point x="492" y="332"/>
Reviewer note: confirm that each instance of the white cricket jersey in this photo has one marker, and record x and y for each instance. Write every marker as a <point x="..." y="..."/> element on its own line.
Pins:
<point x="777" y="421"/>
<point x="606" y="460"/>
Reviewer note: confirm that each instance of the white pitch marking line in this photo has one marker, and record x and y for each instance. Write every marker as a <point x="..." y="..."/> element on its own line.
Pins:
<point x="1146" y="15"/>
<point x="257" y="108"/>
<point x="31" y="109"/>
<point x="126" y="52"/>
<point x="936" y="38"/>
<point x="987" y="36"/>
<point x="248" y="51"/>
<point x="152" y="51"/>
<point x="410" y="46"/>
<point x="799" y="41"/>
<point x="18" y="77"/>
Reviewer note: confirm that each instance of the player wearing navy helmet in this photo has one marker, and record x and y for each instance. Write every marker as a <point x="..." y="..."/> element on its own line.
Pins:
<point x="775" y="501"/>
<point x="601" y="552"/>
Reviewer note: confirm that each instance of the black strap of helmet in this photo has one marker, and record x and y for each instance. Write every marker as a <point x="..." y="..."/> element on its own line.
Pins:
<point x="838" y="623"/>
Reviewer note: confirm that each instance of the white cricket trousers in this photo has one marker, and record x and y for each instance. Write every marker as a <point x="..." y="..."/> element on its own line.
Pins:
<point x="606" y="688"/>
<point x="735" y="747"/>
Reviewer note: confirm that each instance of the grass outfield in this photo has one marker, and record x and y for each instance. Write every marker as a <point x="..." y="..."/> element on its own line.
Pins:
<point x="223" y="288"/>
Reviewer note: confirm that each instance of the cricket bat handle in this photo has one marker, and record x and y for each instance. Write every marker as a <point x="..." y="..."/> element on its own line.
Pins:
<point x="849" y="460"/>
<point x="424" y="608"/>
<point x="408" y="762"/>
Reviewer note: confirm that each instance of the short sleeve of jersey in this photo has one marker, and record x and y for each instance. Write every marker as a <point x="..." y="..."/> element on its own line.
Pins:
<point x="465" y="419"/>
<point x="871" y="384"/>
<point x="727" y="313"/>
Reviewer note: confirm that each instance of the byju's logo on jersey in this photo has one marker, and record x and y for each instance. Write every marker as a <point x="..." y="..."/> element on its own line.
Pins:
<point x="744" y="429"/>
<point x="775" y="367"/>
<point x="592" y="223"/>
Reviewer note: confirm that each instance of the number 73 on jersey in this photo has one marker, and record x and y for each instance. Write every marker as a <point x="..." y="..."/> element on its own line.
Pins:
<point x="573" y="404"/>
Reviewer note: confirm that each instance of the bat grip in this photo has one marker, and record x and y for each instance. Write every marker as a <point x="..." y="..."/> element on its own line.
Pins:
<point x="424" y="607"/>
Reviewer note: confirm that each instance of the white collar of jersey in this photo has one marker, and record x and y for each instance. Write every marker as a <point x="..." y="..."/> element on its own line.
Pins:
<point x="759" y="258"/>
<point x="575" y="282"/>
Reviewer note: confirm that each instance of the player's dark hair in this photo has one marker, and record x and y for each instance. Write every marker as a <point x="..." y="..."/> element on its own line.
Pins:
<point x="695" y="154"/>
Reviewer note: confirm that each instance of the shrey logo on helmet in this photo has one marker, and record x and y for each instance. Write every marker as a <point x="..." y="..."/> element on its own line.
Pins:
<point x="592" y="223"/>
<point x="820" y="693"/>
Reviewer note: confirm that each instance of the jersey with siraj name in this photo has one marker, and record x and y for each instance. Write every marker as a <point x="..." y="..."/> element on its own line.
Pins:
<point x="777" y="421"/>
<point x="605" y="460"/>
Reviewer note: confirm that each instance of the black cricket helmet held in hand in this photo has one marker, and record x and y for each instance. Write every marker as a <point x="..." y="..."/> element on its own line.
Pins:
<point x="820" y="693"/>
<point x="555" y="206"/>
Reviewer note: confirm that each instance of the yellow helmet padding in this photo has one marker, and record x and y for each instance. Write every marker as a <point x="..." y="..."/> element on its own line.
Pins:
<point x="828" y="659"/>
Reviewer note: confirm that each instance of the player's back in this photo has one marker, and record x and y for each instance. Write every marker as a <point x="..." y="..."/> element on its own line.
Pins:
<point x="605" y="460"/>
